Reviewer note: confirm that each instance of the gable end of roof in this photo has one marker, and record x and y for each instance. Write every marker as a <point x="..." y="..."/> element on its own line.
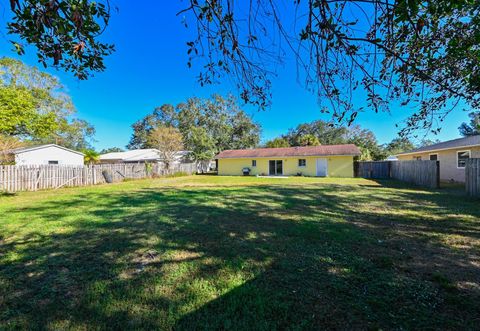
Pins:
<point x="33" y="148"/>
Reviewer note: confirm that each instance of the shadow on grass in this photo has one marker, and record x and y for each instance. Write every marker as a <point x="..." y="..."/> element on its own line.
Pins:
<point x="7" y="194"/>
<point x="260" y="257"/>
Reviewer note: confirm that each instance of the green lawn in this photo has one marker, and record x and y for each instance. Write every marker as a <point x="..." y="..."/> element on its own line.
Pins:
<point x="207" y="252"/>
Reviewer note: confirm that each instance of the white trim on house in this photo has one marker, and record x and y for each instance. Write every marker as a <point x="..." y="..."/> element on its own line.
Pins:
<point x="462" y="151"/>
<point x="438" y="150"/>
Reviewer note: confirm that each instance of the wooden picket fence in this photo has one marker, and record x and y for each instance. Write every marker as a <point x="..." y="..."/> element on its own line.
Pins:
<point x="33" y="178"/>
<point x="424" y="173"/>
<point x="472" y="177"/>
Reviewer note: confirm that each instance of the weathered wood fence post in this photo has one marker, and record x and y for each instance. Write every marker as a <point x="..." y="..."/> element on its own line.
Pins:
<point x="472" y="177"/>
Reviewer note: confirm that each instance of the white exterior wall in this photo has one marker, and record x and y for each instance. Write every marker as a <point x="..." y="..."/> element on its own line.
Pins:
<point x="41" y="156"/>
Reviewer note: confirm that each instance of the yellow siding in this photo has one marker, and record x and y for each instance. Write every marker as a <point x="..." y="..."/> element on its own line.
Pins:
<point x="337" y="166"/>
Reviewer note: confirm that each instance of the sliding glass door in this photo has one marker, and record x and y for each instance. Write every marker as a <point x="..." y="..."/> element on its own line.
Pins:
<point x="275" y="167"/>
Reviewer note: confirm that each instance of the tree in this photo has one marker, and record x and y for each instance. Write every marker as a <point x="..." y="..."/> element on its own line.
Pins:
<point x="473" y="128"/>
<point x="168" y="141"/>
<point x="75" y="134"/>
<point x="20" y="116"/>
<point x="90" y="156"/>
<point x="321" y="132"/>
<point x="277" y="142"/>
<point x="35" y="107"/>
<point x="164" y="115"/>
<point x="309" y="140"/>
<point x="7" y="143"/>
<point x="367" y="142"/>
<point x="111" y="150"/>
<point x="325" y="132"/>
<point x="221" y="119"/>
<point x="203" y="147"/>
<point x="399" y="145"/>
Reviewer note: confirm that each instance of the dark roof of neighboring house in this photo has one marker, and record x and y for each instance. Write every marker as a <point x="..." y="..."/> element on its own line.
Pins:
<point x="450" y="144"/>
<point x="32" y="148"/>
<point x="323" y="150"/>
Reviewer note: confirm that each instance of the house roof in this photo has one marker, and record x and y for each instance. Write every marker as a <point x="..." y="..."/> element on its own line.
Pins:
<point x="323" y="150"/>
<point x="32" y="148"/>
<point x="133" y="155"/>
<point x="450" y="144"/>
<point x="137" y="155"/>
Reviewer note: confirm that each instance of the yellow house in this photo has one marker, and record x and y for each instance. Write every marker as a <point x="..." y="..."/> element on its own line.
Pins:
<point x="315" y="161"/>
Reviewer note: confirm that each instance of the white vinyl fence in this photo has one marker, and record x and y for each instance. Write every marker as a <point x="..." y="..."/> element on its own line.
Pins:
<point x="32" y="178"/>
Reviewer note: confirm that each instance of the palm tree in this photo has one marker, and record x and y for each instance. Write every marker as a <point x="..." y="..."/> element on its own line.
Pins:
<point x="91" y="156"/>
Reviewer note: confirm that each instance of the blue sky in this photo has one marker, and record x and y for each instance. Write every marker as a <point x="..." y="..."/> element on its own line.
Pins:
<point x="149" y="69"/>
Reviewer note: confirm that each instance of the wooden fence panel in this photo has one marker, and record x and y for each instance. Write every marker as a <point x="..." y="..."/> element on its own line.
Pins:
<point x="424" y="173"/>
<point x="472" y="177"/>
<point x="33" y="178"/>
<point x="373" y="169"/>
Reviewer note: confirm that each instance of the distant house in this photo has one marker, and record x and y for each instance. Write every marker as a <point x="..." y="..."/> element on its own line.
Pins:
<point x="319" y="161"/>
<point x="451" y="154"/>
<point x="150" y="155"/>
<point x="47" y="154"/>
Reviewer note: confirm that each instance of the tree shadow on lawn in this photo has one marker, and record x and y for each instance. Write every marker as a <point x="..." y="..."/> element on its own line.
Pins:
<point x="261" y="257"/>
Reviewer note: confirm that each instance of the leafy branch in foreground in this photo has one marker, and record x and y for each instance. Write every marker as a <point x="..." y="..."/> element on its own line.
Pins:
<point x="421" y="55"/>
<point x="65" y="32"/>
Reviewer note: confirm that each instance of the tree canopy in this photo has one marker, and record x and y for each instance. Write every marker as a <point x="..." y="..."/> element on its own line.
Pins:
<point x="277" y="142"/>
<point x="324" y="133"/>
<point x="207" y="126"/>
<point x="35" y="107"/>
<point x="309" y="140"/>
<point x="90" y="156"/>
<point x="472" y="128"/>
<point x="8" y="143"/>
<point x="399" y="145"/>
<point x="421" y="55"/>
<point x="168" y="140"/>
<point x="111" y="150"/>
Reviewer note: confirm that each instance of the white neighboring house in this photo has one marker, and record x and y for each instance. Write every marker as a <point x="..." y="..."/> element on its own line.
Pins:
<point x="391" y="158"/>
<point x="47" y="154"/>
<point x="150" y="155"/>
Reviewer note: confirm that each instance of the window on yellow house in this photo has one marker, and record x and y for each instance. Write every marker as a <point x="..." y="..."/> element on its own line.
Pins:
<point x="302" y="162"/>
<point x="254" y="163"/>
